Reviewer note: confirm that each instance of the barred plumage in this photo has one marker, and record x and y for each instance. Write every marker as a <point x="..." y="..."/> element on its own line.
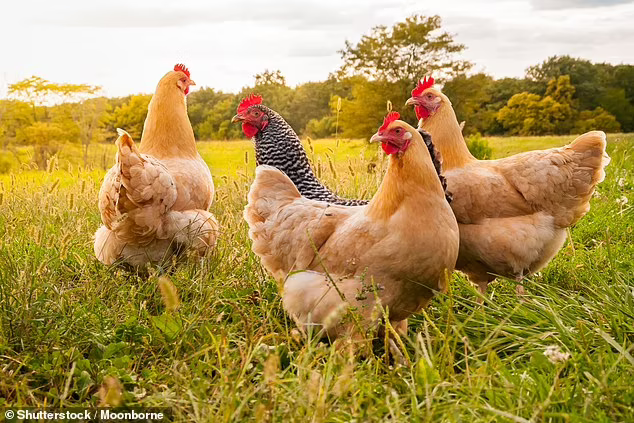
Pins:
<point x="279" y="146"/>
<point x="436" y="158"/>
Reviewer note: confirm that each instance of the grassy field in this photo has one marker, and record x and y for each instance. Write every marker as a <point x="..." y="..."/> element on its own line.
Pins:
<point x="74" y="332"/>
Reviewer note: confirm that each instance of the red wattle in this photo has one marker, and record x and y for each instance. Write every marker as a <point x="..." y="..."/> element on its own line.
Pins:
<point x="389" y="148"/>
<point x="249" y="130"/>
<point x="421" y="112"/>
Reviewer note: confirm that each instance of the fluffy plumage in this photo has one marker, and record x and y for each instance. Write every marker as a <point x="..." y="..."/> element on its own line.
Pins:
<point x="155" y="200"/>
<point x="136" y="202"/>
<point x="512" y="212"/>
<point x="405" y="241"/>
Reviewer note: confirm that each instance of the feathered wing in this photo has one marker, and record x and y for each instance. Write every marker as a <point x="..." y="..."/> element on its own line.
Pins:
<point x="513" y="212"/>
<point x="560" y="181"/>
<point x="135" y="202"/>
<point x="109" y="196"/>
<point x="147" y="193"/>
<point x="285" y="227"/>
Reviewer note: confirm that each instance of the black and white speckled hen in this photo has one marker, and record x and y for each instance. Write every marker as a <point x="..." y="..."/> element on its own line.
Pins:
<point x="277" y="145"/>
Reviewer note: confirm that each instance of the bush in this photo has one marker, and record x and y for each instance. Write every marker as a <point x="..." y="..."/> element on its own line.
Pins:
<point x="5" y="164"/>
<point x="479" y="147"/>
<point x="322" y="128"/>
<point x="596" y="120"/>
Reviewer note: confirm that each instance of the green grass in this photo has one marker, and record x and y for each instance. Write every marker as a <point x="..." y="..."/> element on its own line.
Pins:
<point x="229" y="353"/>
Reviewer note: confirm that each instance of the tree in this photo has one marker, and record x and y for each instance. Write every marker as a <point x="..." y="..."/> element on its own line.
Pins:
<point x="271" y="85"/>
<point x="46" y="134"/>
<point x="311" y="102"/>
<point x="38" y="91"/>
<point x="321" y="128"/>
<point x="362" y="114"/>
<point x="471" y="98"/>
<point x="201" y="102"/>
<point x="405" y="52"/>
<point x="529" y="114"/>
<point x="131" y="115"/>
<point x="589" y="79"/>
<point x="615" y="102"/>
<point x="47" y="138"/>
<point x="270" y="78"/>
<point x="624" y="78"/>
<point x="90" y="117"/>
<point x="14" y="116"/>
<point x="217" y="124"/>
<point x="597" y="119"/>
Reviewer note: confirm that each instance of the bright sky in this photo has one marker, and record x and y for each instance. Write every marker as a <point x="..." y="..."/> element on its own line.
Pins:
<point x="126" y="46"/>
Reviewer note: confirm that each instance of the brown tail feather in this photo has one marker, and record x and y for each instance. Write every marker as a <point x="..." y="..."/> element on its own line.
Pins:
<point x="591" y="159"/>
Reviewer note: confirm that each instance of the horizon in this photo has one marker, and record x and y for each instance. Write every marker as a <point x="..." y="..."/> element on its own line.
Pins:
<point x="503" y="38"/>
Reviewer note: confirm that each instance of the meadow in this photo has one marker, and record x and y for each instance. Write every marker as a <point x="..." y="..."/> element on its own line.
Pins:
<point x="74" y="332"/>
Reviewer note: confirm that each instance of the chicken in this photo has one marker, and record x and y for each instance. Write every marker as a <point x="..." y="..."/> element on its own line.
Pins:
<point x="154" y="201"/>
<point x="405" y="240"/>
<point x="277" y="145"/>
<point x="512" y="212"/>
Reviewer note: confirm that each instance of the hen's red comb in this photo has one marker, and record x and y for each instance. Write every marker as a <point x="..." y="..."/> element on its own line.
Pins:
<point x="182" y="68"/>
<point x="423" y="84"/>
<point x="391" y="117"/>
<point x="248" y="101"/>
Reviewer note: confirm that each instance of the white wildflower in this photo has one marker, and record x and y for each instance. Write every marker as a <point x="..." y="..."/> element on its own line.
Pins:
<point x="622" y="201"/>
<point x="139" y="393"/>
<point x="525" y="377"/>
<point x="555" y="355"/>
<point x="621" y="182"/>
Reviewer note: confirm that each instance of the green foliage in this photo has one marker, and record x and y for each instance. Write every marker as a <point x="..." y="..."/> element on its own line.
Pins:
<point x="530" y="114"/>
<point x="5" y="163"/>
<point x="47" y="139"/>
<point x="363" y="113"/>
<point x="14" y="117"/>
<point x="322" y="128"/>
<point x="130" y="116"/>
<point x="405" y="52"/>
<point x="311" y="101"/>
<point x="471" y="97"/>
<point x="596" y="120"/>
<point x="217" y="124"/>
<point x="587" y="78"/>
<point x="479" y="147"/>
<point x="614" y="101"/>
<point x="596" y="85"/>
<point x="38" y="91"/>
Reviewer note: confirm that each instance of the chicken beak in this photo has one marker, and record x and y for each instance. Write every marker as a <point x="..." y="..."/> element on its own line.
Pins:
<point x="412" y="101"/>
<point x="376" y="138"/>
<point x="191" y="82"/>
<point x="237" y="118"/>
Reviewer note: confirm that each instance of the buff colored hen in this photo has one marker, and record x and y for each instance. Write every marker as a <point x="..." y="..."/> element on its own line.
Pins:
<point x="405" y="240"/>
<point x="154" y="201"/>
<point x="512" y="212"/>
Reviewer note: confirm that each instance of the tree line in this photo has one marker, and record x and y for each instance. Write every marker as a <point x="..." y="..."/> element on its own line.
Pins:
<point x="561" y="95"/>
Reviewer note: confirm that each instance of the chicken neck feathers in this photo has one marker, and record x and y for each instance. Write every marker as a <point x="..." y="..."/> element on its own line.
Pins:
<point x="279" y="146"/>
